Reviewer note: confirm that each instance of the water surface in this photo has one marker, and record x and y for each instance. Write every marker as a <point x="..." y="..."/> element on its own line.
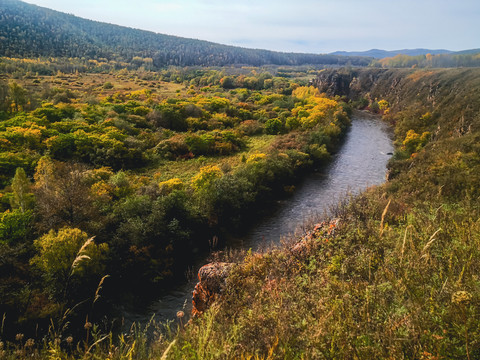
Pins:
<point x="360" y="162"/>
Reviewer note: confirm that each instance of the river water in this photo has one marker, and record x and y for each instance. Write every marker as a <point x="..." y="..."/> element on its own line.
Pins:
<point x="360" y="162"/>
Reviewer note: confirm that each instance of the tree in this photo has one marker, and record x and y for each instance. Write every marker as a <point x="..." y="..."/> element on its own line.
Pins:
<point x="65" y="253"/>
<point x="22" y="194"/>
<point x="274" y="126"/>
<point x="15" y="227"/>
<point x="204" y="184"/>
<point x="63" y="195"/>
<point x="205" y="179"/>
<point x="18" y="95"/>
<point x="227" y="82"/>
<point x="3" y="96"/>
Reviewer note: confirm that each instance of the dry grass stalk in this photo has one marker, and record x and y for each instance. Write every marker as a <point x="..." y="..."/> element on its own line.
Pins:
<point x="403" y="245"/>
<point x="84" y="246"/>
<point x="431" y="240"/>
<point x="80" y="255"/>
<point x="97" y="342"/>
<point x="78" y="260"/>
<point x="383" y="217"/>
<point x="99" y="287"/>
<point x="165" y="353"/>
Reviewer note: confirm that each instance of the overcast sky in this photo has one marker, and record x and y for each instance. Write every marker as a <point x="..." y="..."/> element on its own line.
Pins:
<point x="314" y="26"/>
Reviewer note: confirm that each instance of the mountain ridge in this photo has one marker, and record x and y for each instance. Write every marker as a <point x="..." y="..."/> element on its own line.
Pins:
<point x="381" y="54"/>
<point x="30" y="31"/>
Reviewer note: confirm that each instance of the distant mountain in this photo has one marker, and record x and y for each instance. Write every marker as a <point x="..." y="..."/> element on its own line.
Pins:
<point x="380" y="54"/>
<point x="465" y="52"/>
<point x="31" y="31"/>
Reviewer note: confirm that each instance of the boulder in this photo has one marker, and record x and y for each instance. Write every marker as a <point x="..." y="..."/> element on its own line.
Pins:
<point x="211" y="277"/>
<point x="211" y="282"/>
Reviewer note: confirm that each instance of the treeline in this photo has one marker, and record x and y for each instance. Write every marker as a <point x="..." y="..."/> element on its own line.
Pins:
<point x="31" y="31"/>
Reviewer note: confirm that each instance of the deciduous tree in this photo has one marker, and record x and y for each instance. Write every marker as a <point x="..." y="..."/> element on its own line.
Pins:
<point x="18" y="95"/>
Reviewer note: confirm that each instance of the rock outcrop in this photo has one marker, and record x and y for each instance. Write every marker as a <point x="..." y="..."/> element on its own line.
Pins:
<point x="211" y="277"/>
<point x="322" y="231"/>
<point x="210" y="285"/>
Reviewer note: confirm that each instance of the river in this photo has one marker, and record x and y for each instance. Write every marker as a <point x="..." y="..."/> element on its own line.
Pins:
<point x="360" y="162"/>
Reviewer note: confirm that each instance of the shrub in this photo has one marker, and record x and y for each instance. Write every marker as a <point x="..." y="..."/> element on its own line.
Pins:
<point x="170" y="185"/>
<point x="203" y="182"/>
<point x="16" y="227"/>
<point x="108" y="85"/>
<point x="256" y="157"/>
<point x="66" y="252"/>
<point x="251" y="127"/>
<point x="273" y="126"/>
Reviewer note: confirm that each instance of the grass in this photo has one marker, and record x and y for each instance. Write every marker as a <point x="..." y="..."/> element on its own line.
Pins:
<point x="406" y="288"/>
<point x="187" y="169"/>
<point x="88" y="85"/>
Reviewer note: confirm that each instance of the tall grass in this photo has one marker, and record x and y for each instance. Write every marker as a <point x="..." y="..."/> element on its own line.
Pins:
<point x="355" y="295"/>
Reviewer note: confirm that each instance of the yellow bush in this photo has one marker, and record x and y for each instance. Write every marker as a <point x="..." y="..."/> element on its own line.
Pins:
<point x="256" y="157"/>
<point x="383" y="105"/>
<point x="68" y="251"/>
<point x="170" y="185"/>
<point x="304" y="92"/>
<point x="203" y="181"/>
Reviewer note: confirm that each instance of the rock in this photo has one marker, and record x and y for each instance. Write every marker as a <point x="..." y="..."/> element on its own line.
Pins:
<point x="210" y="286"/>
<point x="211" y="277"/>
<point x="324" y="231"/>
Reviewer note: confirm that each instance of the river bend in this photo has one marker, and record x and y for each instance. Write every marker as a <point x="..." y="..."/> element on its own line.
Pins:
<point x="360" y="162"/>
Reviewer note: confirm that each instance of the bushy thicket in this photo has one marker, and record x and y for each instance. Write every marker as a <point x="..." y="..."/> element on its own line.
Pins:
<point x="131" y="183"/>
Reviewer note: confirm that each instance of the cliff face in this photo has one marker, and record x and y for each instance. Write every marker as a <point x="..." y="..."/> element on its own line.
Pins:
<point x="357" y="83"/>
<point x="452" y="95"/>
<point x="335" y="83"/>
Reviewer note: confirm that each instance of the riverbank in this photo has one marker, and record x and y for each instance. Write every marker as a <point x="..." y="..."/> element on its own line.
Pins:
<point x="359" y="162"/>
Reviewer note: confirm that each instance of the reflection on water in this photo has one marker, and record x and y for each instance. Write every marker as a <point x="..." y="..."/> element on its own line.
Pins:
<point x="360" y="163"/>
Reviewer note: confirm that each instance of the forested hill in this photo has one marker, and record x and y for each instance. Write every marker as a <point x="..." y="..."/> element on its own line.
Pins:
<point x="31" y="31"/>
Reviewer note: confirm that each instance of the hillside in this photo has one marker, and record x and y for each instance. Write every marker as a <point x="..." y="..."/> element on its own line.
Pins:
<point x="419" y="58"/>
<point x="394" y="275"/>
<point x="30" y="31"/>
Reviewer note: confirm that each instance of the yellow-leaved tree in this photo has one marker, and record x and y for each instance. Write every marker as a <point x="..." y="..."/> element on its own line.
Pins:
<point x="203" y="185"/>
<point x="68" y="252"/>
<point x="205" y="179"/>
<point x="314" y="108"/>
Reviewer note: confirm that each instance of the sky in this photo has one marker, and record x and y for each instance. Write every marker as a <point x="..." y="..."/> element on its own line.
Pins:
<point x="311" y="26"/>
